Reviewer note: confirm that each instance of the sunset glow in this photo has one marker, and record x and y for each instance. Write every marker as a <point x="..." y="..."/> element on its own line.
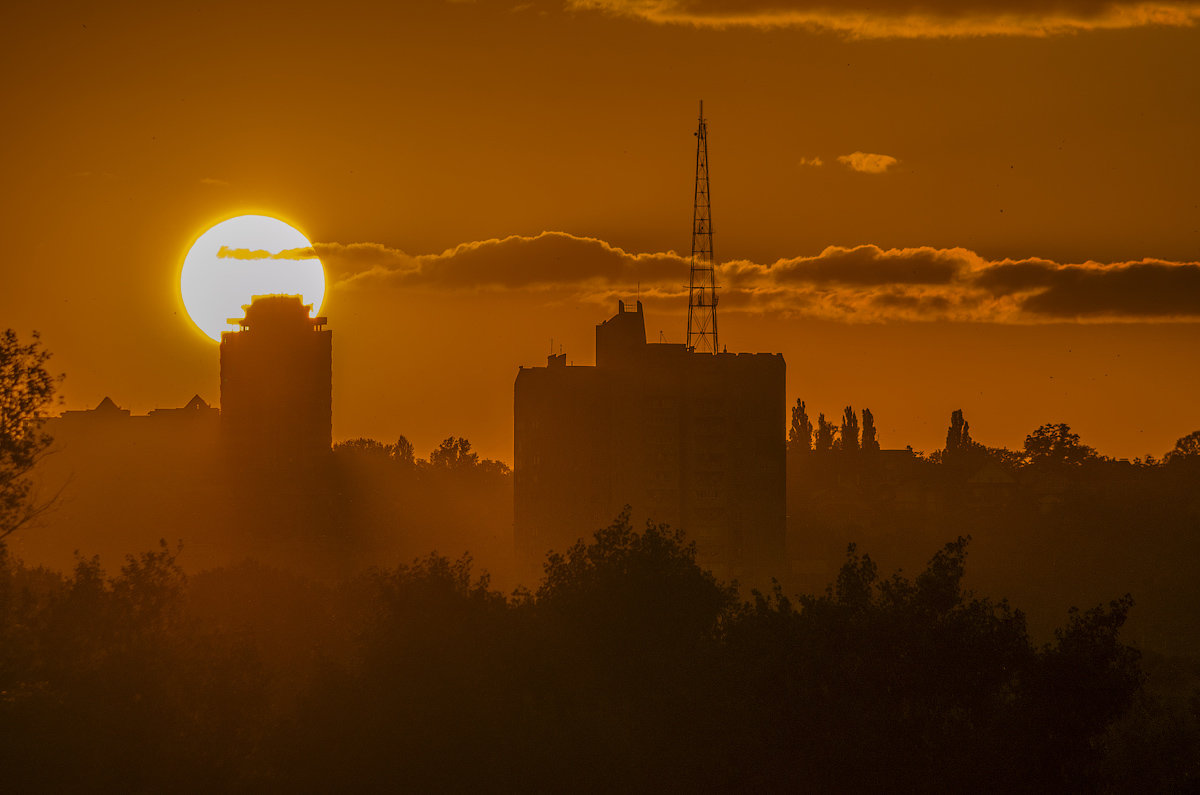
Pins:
<point x="505" y="513"/>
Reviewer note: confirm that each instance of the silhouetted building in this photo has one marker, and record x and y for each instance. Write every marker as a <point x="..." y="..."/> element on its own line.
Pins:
<point x="695" y="440"/>
<point x="276" y="383"/>
<point x="178" y="429"/>
<point x="125" y="480"/>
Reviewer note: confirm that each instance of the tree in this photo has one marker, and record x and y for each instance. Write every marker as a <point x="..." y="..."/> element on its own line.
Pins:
<point x="870" y="443"/>
<point x="362" y="446"/>
<point x="1054" y="443"/>
<point x="26" y="392"/>
<point x="403" y="452"/>
<point x="800" y="434"/>
<point x="623" y="584"/>
<point x="825" y="435"/>
<point x="918" y="680"/>
<point x="453" y="453"/>
<point x="1186" y="448"/>
<point x="849" y="430"/>
<point x="958" y="435"/>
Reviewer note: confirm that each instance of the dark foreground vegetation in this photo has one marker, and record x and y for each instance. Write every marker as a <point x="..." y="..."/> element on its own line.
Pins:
<point x="1054" y="523"/>
<point x="629" y="668"/>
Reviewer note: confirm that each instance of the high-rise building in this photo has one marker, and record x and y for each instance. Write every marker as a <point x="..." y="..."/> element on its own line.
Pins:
<point x="276" y="383"/>
<point x="695" y="440"/>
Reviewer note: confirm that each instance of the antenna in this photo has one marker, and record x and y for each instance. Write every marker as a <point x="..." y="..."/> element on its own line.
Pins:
<point x="702" y="282"/>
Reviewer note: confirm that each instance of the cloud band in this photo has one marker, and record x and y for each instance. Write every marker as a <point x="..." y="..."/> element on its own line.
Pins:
<point x="856" y="284"/>
<point x="873" y="19"/>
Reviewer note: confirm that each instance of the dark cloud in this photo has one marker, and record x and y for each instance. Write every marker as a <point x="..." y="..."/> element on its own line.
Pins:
<point x="909" y="18"/>
<point x="549" y="258"/>
<point x="1133" y="290"/>
<point x="1014" y="277"/>
<point x="859" y="284"/>
<point x="866" y="265"/>
<point x="934" y="304"/>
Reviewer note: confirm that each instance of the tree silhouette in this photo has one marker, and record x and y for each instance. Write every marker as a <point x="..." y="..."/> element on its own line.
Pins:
<point x="826" y="435"/>
<point x="1186" y="448"/>
<point x="629" y="663"/>
<point x="363" y="446"/>
<point x="1055" y="444"/>
<point x="627" y="583"/>
<point x="958" y="435"/>
<point x="850" y="430"/>
<point x="453" y="453"/>
<point x="26" y="392"/>
<point x="800" y="434"/>
<point x="403" y="452"/>
<point x="869" y="441"/>
<point x="919" y="684"/>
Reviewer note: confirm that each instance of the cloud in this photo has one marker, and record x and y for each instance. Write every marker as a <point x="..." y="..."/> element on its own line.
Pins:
<point x="214" y="182"/>
<point x="867" y="163"/>
<point x="853" y="284"/>
<point x="860" y="265"/>
<point x="816" y="162"/>
<point x="872" y="19"/>
<point x="518" y="261"/>
<point x="1145" y="289"/>
<point x="225" y="252"/>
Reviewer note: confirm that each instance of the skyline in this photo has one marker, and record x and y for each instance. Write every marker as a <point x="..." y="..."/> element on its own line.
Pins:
<point x="523" y="169"/>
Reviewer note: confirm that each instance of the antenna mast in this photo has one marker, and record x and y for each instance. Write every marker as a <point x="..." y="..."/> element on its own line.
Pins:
<point x="702" y="283"/>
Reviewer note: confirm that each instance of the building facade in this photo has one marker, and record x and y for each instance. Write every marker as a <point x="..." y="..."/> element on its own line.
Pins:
<point x="694" y="440"/>
<point x="277" y="383"/>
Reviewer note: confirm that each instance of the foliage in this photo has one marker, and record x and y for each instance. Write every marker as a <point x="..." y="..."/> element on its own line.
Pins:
<point x="644" y="588"/>
<point x="958" y="435"/>
<point x="869" y="441"/>
<point x="1186" y="449"/>
<point x="826" y="435"/>
<point x="391" y="505"/>
<point x="454" y="454"/>
<point x="912" y="685"/>
<point x="403" y="453"/>
<point x="1055" y="444"/>
<point x="629" y="666"/>
<point x="849" y="437"/>
<point x="26" y="392"/>
<point x="105" y="685"/>
<point x="800" y="433"/>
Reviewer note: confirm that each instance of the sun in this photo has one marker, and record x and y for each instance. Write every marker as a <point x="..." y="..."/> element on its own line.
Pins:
<point x="242" y="257"/>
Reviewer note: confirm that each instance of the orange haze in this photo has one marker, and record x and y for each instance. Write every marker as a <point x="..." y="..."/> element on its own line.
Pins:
<point x="1010" y="199"/>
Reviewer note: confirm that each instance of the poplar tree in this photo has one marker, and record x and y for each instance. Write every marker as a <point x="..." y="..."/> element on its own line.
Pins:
<point x="850" y="430"/>
<point x="825" y="435"/>
<point x="869" y="442"/>
<point x="800" y="434"/>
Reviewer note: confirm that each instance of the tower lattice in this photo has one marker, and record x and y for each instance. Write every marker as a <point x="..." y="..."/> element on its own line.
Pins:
<point x="702" y="283"/>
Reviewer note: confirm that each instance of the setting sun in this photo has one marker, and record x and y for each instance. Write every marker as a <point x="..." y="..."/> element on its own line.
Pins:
<point x="242" y="257"/>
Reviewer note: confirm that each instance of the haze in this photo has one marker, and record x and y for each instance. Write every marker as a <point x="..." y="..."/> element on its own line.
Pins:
<point x="466" y="171"/>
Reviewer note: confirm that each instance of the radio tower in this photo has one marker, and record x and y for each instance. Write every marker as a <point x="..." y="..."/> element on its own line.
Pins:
<point x="702" y="283"/>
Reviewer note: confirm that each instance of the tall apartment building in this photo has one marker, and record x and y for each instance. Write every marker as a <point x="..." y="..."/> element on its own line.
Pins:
<point x="695" y="440"/>
<point x="276" y="383"/>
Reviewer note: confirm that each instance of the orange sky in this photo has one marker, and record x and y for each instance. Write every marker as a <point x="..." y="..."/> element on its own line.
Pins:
<point x="987" y="205"/>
